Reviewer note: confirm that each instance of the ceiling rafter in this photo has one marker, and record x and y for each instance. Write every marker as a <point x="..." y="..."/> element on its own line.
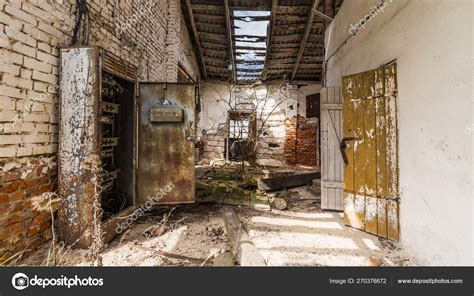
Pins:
<point x="196" y="36"/>
<point x="229" y="36"/>
<point x="294" y="50"/>
<point x="307" y="31"/>
<point x="270" y="37"/>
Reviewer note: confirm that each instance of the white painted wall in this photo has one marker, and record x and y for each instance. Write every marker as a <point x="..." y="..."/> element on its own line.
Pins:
<point x="283" y="102"/>
<point x="432" y="42"/>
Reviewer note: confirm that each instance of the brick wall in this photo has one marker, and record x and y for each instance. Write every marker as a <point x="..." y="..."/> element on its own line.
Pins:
<point x="301" y="143"/>
<point x="152" y="37"/>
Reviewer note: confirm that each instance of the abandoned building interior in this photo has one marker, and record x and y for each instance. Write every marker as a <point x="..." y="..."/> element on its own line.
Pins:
<point x="236" y="132"/>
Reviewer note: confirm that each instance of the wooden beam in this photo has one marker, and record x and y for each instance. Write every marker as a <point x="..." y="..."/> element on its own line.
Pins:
<point x="196" y="37"/>
<point x="307" y="31"/>
<point x="258" y="70"/>
<point x="251" y="18"/>
<point x="229" y="37"/>
<point x="322" y="15"/>
<point x="253" y="48"/>
<point x="278" y="183"/>
<point x="270" y="36"/>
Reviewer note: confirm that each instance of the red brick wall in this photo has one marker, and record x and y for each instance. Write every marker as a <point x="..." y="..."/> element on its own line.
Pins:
<point x="304" y="132"/>
<point x="21" y="227"/>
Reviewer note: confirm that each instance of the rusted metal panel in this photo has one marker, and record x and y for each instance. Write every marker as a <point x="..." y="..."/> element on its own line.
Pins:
<point x="78" y="143"/>
<point x="372" y="182"/>
<point x="166" y="149"/>
<point x="116" y="66"/>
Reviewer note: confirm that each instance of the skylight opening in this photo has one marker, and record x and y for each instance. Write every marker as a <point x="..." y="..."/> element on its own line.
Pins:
<point x="250" y="35"/>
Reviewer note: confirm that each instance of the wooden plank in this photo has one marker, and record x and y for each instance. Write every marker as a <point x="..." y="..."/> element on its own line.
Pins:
<point x="382" y="217"/>
<point x="305" y="37"/>
<point x="359" y="148"/>
<point x="349" y="211"/>
<point x="359" y="164"/>
<point x="331" y="107"/>
<point x="381" y="147"/>
<point x="339" y="100"/>
<point x="381" y="162"/>
<point x="392" y="152"/>
<point x="392" y="219"/>
<point x="371" y="218"/>
<point x="370" y="157"/>
<point x="339" y="185"/>
<point x="391" y="148"/>
<point x="277" y="183"/>
<point x="348" y="131"/>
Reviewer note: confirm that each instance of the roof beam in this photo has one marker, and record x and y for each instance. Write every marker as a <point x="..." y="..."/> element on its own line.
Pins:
<point x="270" y="36"/>
<point x="251" y="18"/>
<point x="229" y="37"/>
<point x="250" y="48"/>
<point x="307" y="30"/>
<point x="324" y="16"/>
<point x="196" y="36"/>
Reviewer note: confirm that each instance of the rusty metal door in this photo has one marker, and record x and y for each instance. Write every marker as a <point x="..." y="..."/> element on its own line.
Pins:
<point x="371" y="195"/>
<point x="166" y="128"/>
<point x="332" y="166"/>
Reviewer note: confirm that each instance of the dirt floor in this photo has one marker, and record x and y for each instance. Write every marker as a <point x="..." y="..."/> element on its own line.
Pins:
<point x="193" y="235"/>
<point x="194" y="232"/>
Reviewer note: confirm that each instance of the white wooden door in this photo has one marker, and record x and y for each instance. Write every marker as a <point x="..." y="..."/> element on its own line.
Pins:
<point x="332" y="164"/>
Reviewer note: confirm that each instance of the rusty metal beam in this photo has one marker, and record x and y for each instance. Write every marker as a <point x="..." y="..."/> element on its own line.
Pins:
<point x="196" y="36"/>
<point x="229" y="37"/>
<point x="270" y="36"/>
<point x="307" y="31"/>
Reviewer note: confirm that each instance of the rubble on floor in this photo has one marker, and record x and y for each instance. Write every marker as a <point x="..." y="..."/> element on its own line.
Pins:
<point x="280" y="228"/>
<point x="194" y="236"/>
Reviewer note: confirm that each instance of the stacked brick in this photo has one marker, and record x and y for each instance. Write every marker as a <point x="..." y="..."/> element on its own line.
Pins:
<point x="21" y="227"/>
<point x="301" y="143"/>
<point x="31" y="33"/>
<point x="214" y="143"/>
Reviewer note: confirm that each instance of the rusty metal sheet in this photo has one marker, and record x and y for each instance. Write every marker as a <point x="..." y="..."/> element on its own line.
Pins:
<point x="78" y="143"/>
<point x="166" y="149"/>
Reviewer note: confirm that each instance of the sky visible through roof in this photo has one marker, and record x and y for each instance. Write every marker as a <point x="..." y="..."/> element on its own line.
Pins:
<point x="251" y="27"/>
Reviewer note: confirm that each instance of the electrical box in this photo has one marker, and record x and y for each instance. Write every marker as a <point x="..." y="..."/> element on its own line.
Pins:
<point x="122" y="145"/>
<point x="97" y="144"/>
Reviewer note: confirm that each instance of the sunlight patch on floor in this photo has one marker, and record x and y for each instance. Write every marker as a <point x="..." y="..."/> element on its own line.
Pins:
<point x="294" y="222"/>
<point x="286" y="239"/>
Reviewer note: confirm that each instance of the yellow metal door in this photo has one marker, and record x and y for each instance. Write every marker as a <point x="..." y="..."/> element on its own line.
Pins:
<point x="370" y="144"/>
